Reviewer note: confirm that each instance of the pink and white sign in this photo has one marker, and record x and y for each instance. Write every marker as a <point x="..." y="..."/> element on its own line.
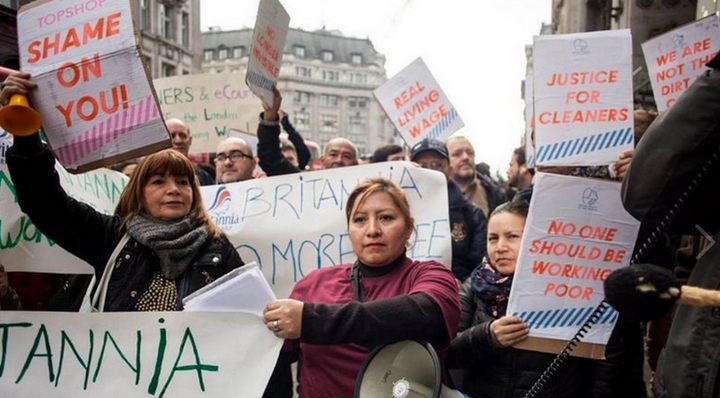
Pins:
<point x="675" y="59"/>
<point x="96" y="102"/>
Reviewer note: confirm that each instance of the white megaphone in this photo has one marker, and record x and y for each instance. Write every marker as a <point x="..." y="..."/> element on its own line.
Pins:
<point x="408" y="369"/>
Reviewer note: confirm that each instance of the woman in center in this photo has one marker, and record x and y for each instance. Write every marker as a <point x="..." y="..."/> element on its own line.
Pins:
<point x="335" y="316"/>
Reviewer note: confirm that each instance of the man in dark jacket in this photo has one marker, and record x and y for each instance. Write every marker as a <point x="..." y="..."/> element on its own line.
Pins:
<point x="468" y="225"/>
<point x="671" y="167"/>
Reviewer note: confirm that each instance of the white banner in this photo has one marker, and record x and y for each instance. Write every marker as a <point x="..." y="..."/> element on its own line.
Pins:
<point x="417" y="106"/>
<point x="96" y="101"/>
<point x="294" y="224"/>
<point x="576" y="234"/>
<point x="210" y="105"/>
<point x="271" y="29"/>
<point x="22" y="246"/>
<point x="135" y="354"/>
<point x="583" y="98"/>
<point x="676" y="58"/>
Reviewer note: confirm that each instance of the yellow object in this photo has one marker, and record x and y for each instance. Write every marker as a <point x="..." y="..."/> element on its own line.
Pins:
<point x="18" y="118"/>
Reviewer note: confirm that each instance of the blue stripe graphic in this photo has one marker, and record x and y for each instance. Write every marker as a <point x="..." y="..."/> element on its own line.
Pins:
<point x="565" y="317"/>
<point x="587" y="144"/>
<point x="444" y="123"/>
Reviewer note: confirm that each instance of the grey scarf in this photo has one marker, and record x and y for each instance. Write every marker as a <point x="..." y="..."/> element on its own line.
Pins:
<point x="175" y="242"/>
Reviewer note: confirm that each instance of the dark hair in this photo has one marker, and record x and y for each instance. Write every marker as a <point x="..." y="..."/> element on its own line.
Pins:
<point x="517" y="206"/>
<point x="519" y="152"/>
<point x="370" y="186"/>
<point x="381" y="154"/>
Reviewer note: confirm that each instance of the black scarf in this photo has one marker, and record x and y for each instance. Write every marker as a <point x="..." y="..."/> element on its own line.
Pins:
<point x="175" y="242"/>
<point x="492" y="287"/>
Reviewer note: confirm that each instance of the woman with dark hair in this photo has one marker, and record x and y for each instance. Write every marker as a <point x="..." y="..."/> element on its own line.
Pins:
<point x="388" y="153"/>
<point x="490" y="366"/>
<point x="336" y="315"/>
<point x="172" y="249"/>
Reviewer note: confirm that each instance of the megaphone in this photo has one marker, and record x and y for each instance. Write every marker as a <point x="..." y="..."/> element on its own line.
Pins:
<point x="408" y="369"/>
<point x="17" y="117"/>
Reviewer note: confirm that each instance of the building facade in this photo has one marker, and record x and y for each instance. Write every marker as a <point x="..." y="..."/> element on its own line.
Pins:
<point x="169" y="35"/>
<point x="326" y="81"/>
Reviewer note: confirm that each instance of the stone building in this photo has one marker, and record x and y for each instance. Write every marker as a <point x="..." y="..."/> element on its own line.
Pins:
<point x="326" y="81"/>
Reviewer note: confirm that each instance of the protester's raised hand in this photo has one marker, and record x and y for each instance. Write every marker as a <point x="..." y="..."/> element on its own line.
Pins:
<point x="271" y="112"/>
<point x="16" y="83"/>
<point x="508" y="330"/>
<point x="284" y="318"/>
<point x="623" y="164"/>
<point x="4" y="283"/>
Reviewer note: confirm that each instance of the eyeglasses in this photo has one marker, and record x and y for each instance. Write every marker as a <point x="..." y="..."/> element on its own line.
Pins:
<point x="234" y="156"/>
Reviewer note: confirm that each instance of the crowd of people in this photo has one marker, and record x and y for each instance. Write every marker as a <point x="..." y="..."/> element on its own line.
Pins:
<point x="163" y="246"/>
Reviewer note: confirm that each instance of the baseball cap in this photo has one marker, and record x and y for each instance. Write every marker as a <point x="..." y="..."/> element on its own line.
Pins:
<point x="429" y="145"/>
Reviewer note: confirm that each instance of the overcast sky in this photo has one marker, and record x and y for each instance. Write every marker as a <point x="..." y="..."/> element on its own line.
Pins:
<point x="475" y="49"/>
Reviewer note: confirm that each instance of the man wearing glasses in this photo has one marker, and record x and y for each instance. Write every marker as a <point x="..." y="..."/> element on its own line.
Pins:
<point x="234" y="161"/>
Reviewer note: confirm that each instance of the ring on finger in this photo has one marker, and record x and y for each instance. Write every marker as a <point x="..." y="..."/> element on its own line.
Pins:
<point x="276" y="326"/>
<point x="2" y="85"/>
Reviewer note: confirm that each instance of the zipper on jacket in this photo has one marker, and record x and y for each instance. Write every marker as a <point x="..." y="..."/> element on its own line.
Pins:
<point x="208" y="279"/>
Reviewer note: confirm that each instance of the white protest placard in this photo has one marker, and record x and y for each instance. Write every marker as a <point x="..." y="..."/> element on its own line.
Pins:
<point x="94" y="97"/>
<point x="24" y="248"/>
<point x="417" y="106"/>
<point x="271" y="29"/>
<point x="294" y="224"/>
<point x="210" y="105"/>
<point x="529" y="122"/>
<point x="135" y="354"/>
<point x="577" y="232"/>
<point x="583" y="98"/>
<point x="676" y="58"/>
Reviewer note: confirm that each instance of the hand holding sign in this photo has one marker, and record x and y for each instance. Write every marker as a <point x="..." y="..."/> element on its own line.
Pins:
<point x="284" y="318"/>
<point x="508" y="330"/>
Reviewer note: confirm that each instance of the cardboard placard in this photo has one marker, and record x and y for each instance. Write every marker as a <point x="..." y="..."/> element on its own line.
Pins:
<point x="269" y="35"/>
<point x="94" y="96"/>
<point x="583" y="98"/>
<point x="576" y="234"/>
<point x="417" y="106"/>
<point x="677" y="58"/>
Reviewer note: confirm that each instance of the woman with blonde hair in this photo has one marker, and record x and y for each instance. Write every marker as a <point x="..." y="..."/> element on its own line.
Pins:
<point x="336" y="315"/>
<point x="168" y="246"/>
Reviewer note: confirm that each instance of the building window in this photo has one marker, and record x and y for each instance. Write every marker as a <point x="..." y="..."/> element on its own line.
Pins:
<point x="301" y="120"/>
<point x="330" y="75"/>
<point x="145" y="14"/>
<point x="356" y="59"/>
<point x="328" y="100"/>
<point x="185" y="29"/>
<point x="303" y="71"/>
<point x="299" y="51"/>
<point x="357" y="124"/>
<point x="168" y="70"/>
<point x="185" y="72"/>
<point x="208" y="55"/>
<point x="238" y="52"/>
<point x="222" y="53"/>
<point x="301" y="97"/>
<point x="357" y="102"/>
<point x="328" y="123"/>
<point x="360" y="78"/>
<point x="327" y="55"/>
<point x="165" y="14"/>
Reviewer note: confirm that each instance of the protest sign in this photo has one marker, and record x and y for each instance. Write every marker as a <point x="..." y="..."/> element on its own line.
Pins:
<point x="294" y="224"/>
<point x="135" y="354"/>
<point x="24" y="248"/>
<point x="577" y="232"/>
<point x="529" y="122"/>
<point x="93" y="94"/>
<point x="210" y="105"/>
<point x="417" y="106"/>
<point x="676" y="58"/>
<point x="583" y="98"/>
<point x="271" y="29"/>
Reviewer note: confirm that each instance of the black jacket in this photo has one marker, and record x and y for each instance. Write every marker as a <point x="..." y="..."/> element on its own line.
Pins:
<point x="271" y="158"/>
<point x="492" y="372"/>
<point x="92" y="236"/>
<point x="667" y="162"/>
<point x="468" y="230"/>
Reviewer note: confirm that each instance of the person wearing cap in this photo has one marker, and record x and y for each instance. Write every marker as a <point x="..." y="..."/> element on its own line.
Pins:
<point x="468" y="224"/>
